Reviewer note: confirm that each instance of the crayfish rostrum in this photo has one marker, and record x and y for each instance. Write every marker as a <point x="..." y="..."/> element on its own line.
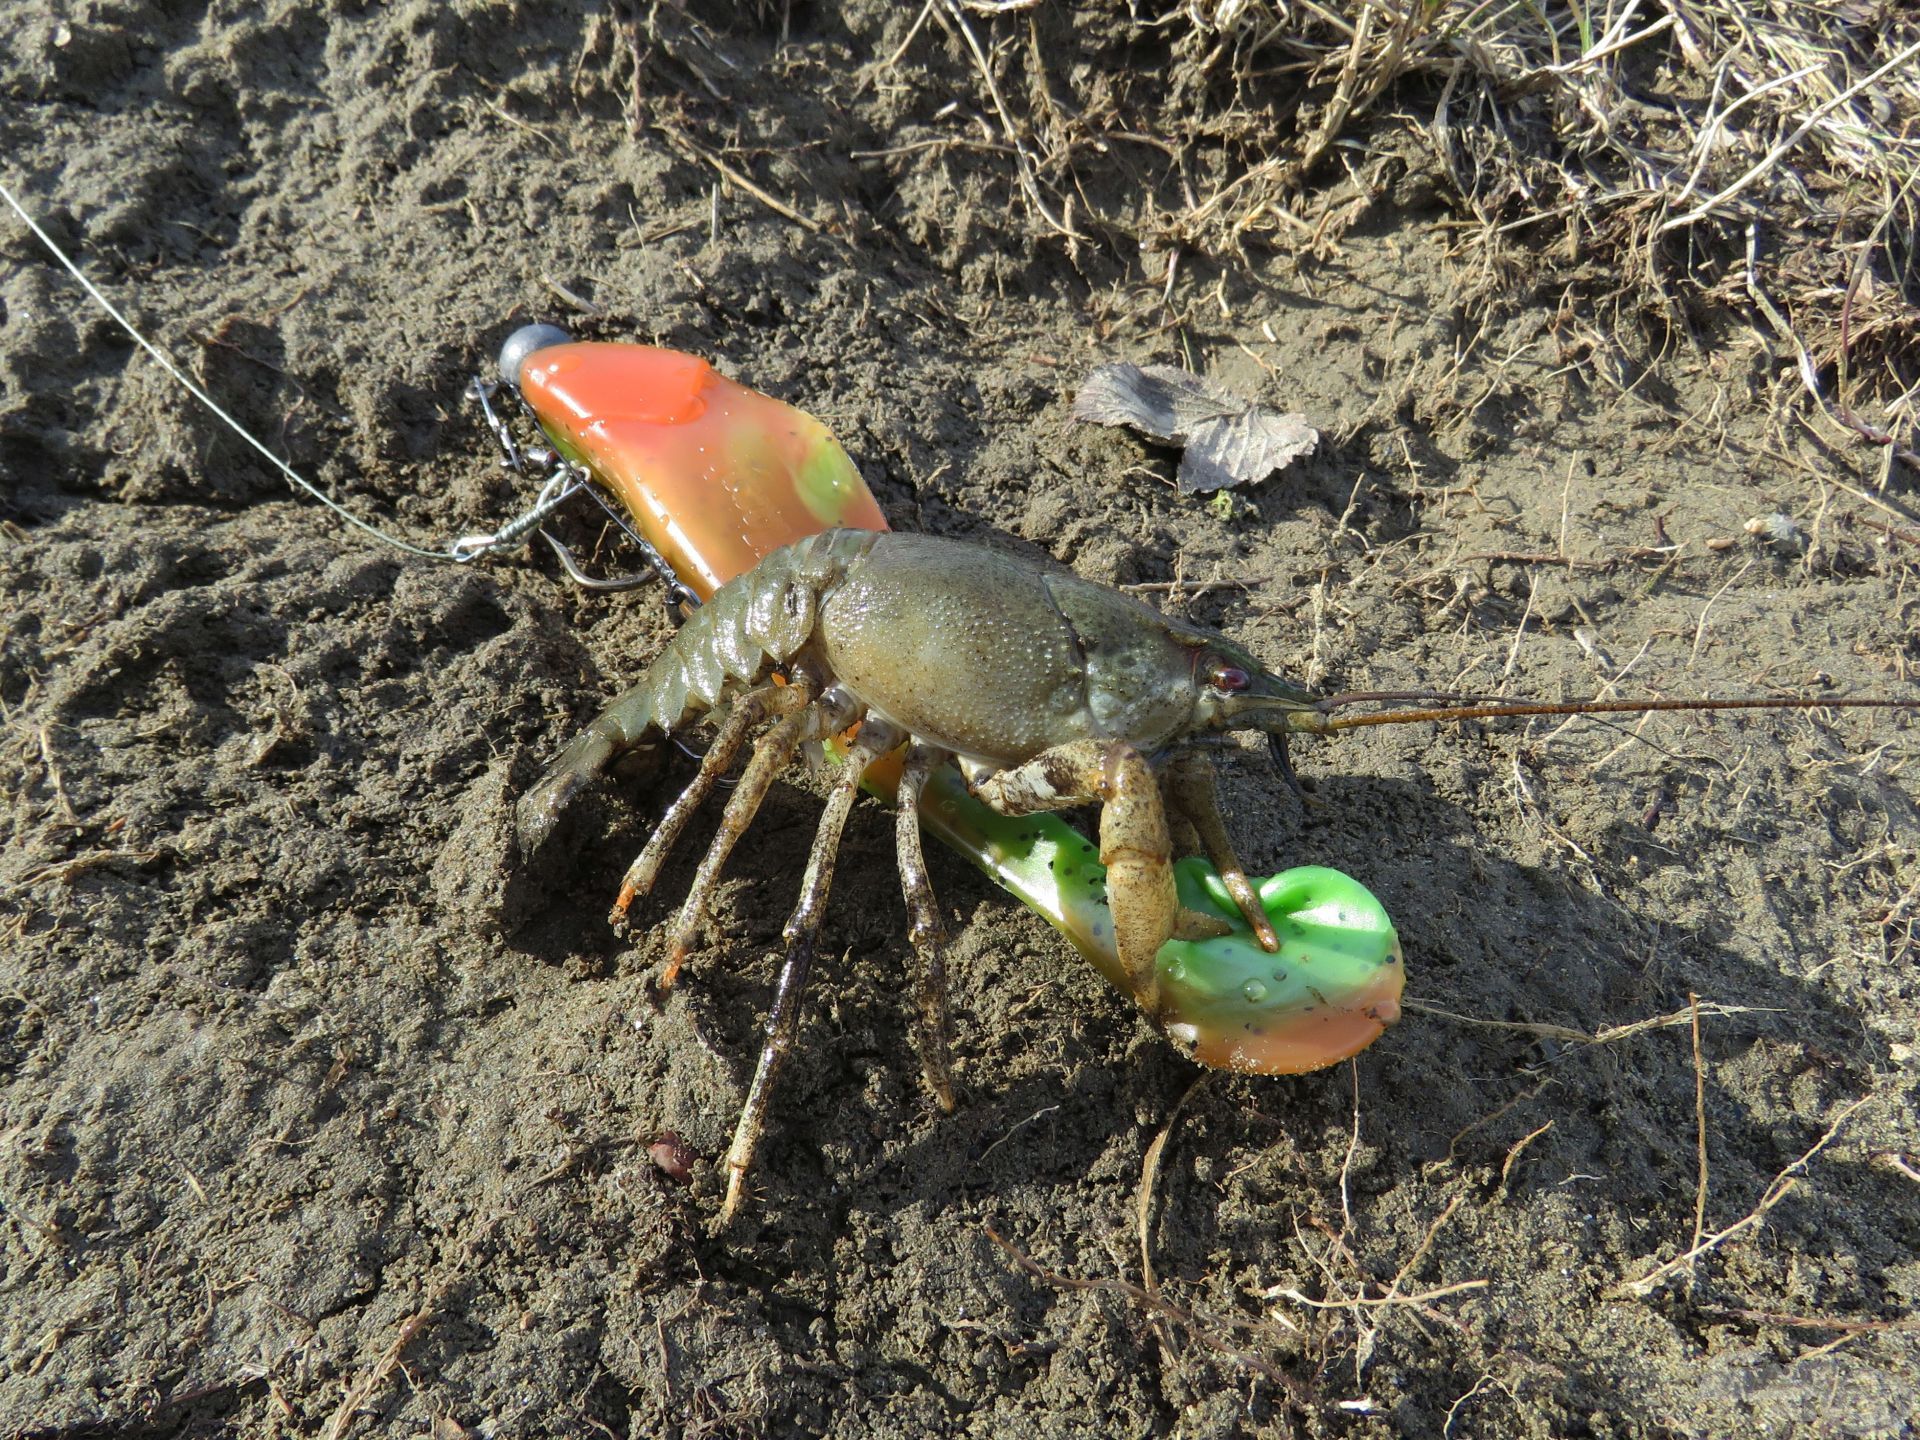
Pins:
<point x="1049" y="692"/>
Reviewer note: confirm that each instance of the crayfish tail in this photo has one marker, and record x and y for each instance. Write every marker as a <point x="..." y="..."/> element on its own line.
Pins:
<point x="538" y="814"/>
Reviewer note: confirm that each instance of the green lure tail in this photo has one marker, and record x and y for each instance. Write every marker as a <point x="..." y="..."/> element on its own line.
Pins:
<point x="1331" y="990"/>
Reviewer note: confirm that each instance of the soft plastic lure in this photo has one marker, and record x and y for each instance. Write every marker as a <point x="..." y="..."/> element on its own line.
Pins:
<point x="716" y="476"/>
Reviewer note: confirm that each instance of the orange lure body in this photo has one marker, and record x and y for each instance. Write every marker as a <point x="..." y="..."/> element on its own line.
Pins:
<point x="714" y="475"/>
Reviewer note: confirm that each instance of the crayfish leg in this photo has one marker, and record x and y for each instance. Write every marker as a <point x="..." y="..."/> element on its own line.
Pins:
<point x="1192" y="793"/>
<point x="876" y="738"/>
<point x="751" y="711"/>
<point x="771" y="755"/>
<point x="928" y="934"/>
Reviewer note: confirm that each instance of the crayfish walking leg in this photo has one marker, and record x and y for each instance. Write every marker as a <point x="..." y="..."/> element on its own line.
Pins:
<point x="776" y="748"/>
<point x="877" y="738"/>
<point x="923" y="914"/>
<point x="1192" y="794"/>
<point x="749" y="713"/>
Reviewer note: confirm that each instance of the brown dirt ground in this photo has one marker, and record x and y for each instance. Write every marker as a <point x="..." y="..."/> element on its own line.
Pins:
<point x="306" y="1123"/>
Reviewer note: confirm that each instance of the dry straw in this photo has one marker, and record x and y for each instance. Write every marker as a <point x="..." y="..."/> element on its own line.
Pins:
<point x="1753" y="160"/>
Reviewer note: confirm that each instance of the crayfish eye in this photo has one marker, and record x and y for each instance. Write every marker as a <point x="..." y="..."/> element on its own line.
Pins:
<point x="1230" y="678"/>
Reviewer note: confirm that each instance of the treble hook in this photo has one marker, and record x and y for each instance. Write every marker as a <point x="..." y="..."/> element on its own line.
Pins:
<point x="607" y="585"/>
<point x="678" y="595"/>
<point x="565" y="480"/>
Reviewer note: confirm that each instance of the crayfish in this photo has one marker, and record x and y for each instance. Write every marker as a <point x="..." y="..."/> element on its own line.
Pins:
<point x="1044" y="690"/>
<point x="1047" y="690"/>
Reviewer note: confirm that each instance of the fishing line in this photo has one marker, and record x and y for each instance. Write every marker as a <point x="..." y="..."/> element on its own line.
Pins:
<point x="466" y="550"/>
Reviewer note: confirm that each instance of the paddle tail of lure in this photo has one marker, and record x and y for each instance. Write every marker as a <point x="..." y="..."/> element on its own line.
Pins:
<point x="1331" y="990"/>
<point x="717" y="476"/>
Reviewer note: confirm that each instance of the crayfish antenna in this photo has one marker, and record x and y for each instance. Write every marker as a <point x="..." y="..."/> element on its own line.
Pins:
<point x="1330" y="703"/>
<point x="1326" y="725"/>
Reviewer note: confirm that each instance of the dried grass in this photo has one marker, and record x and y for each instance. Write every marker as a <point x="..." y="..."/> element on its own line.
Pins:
<point x="1758" y="159"/>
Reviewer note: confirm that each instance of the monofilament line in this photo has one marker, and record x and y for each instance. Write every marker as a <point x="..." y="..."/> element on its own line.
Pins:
<point x="180" y="377"/>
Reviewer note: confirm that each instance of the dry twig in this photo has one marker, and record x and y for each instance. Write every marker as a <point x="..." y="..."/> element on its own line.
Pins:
<point x="1783" y="1185"/>
<point x="1201" y="1329"/>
